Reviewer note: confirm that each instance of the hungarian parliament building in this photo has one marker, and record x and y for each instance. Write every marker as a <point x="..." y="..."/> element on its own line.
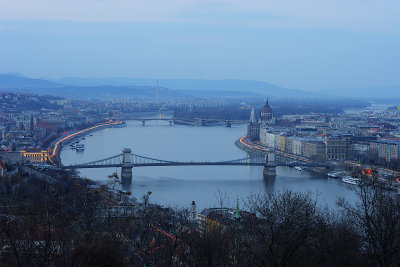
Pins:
<point x="265" y="119"/>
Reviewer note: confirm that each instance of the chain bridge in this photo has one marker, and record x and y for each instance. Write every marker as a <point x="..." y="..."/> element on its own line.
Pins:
<point x="128" y="160"/>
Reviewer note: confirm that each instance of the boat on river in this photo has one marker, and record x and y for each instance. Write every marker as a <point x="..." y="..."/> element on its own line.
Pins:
<point x="351" y="180"/>
<point x="121" y="125"/>
<point x="80" y="147"/>
<point x="336" y="174"/>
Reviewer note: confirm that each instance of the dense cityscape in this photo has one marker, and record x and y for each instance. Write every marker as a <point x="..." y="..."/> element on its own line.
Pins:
<point x="33" y="122"/>
<point x="362" y="146"/>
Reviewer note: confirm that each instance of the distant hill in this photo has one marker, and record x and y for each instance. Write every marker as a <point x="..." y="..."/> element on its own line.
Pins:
<point x="382" y="92"/>
<point x="187" y="85"/>
<point x="171" y="88"/>
<point x="141" y="87"/>
<point x="16" y="80"/>
<point x="115" y="91"/>
<point x="216" y="93"/>
<point x="168" y="88"/>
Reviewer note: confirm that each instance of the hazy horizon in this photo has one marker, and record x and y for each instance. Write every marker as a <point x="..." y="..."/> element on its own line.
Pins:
<point x="117" y="81"/>
<point x="306" y="45"/>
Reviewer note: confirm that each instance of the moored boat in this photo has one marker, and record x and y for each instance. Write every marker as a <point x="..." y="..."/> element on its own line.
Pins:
<point x="351" y="180"/>
<point x="336" y="174"/>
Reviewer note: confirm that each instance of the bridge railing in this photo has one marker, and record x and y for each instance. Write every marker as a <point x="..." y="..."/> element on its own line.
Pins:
<point x="142" y="159"/>
<point x="110" y="160"/>
<point x="117" y="161"/>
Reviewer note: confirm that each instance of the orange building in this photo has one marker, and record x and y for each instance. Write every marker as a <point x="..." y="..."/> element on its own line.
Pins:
<point x="35" y="155"/>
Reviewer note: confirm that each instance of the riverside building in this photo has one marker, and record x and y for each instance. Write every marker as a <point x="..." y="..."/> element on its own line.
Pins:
<point x="253" y="128"/>
<point x="35" y="155"/>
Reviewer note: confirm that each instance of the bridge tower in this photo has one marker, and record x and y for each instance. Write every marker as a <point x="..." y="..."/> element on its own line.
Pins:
<point x="126" y="170"/>
<point x="269" y="167"/>
<point x="200" y="122"/>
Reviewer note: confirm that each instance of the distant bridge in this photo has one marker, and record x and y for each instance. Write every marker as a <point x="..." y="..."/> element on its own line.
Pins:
<point x="128" y="160"/>
<point x="194" y="121"/>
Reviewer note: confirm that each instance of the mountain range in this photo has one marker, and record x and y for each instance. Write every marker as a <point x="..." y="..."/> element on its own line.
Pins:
<point x="189" y="85"/>
<point x="125" y="87"/>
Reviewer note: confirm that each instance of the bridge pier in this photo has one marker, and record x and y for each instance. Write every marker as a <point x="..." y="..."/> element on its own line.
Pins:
<point x="126" y="176"/>
<point x="270" y="166"/>
<point x="228" y="124"/>
<point x="200" y="122"/>
<point x="143" y="122"/>
<point x="126" y="170"/>
<point x="269" y="171"/>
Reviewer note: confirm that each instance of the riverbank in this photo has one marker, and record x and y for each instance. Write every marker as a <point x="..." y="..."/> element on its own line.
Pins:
<point x="249" y="146"/>
<point x="54" y="149"/>
<point x="245" y="144"/>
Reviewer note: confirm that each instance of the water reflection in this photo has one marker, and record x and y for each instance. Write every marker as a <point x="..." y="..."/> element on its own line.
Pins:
<point x="269" y="182"/>
<point x="126" y="183"/>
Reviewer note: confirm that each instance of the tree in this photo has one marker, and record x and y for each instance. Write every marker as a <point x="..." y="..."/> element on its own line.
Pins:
<point x="376" y="217"/>
<point x="285" y="228"/>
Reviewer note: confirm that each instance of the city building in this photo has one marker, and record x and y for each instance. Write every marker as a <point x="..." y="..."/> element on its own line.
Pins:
<point x="267" y="115"/>
<point x="193" y="212"/>
<point x="270" y="140"/>
<point x="253" y="128"/>
<point x="219" y="218"/>
<point x="314" y="150"/>
<point x="212" y="218"/>
<point x="389" y="150"/>
<point x="335" y="148"/>
<point x="35" y="155"/>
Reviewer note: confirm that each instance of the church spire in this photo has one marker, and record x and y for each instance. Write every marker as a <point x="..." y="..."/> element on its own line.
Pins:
<point x="237" y="212"/>
<point x="252" y="116"/>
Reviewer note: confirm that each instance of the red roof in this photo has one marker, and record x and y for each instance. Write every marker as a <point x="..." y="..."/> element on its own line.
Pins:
<point x="46" y="125"/>
<point x="2" y="165"/>
<point x="266" y="108"/>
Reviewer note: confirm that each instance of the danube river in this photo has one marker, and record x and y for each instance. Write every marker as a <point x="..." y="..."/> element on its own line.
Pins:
<point x="207" y="185"/>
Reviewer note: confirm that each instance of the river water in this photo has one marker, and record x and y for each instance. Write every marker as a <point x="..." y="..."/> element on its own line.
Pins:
<point x="207" y="185"/>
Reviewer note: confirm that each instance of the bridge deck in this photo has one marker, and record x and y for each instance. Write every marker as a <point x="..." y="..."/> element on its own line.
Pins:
<point x="189" y="164"/>
<point x="191" y="120"/>
<point x="130" y="160"/>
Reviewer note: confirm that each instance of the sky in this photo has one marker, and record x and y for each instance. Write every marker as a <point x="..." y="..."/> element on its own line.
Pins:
<point x="300" y="44"/>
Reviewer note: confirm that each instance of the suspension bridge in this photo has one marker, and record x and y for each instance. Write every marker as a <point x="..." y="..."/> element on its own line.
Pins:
<point x="128" y="160"/>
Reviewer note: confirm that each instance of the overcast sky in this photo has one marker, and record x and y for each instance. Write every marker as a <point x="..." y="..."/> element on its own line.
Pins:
<point x="303" y="44"/>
